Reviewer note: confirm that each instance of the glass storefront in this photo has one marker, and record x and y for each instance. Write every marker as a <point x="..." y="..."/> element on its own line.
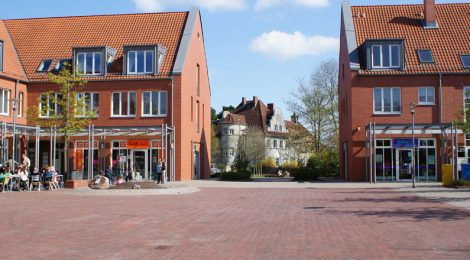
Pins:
<point x="394" y="159"/>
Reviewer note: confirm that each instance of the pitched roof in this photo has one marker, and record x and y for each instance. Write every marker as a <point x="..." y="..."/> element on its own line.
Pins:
<point x="447" y="42"/>
<point x="11" y="63"/>
<point x="53" y="38"/>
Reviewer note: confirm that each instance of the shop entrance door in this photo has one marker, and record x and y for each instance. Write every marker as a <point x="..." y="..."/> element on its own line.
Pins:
<point x="404" y="164"/>
<point x="140" y="164"/>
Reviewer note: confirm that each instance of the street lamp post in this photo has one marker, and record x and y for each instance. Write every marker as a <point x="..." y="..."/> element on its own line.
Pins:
<point x="413" y="111"/>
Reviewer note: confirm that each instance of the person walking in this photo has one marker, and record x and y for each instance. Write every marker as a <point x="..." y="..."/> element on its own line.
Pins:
<point x="158" y="172"/>
<point x="163" y="175"/>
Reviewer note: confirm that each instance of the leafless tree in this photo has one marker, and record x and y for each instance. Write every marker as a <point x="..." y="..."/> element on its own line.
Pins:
<point x="316" y="102"/>
<point x="252" y="146"/>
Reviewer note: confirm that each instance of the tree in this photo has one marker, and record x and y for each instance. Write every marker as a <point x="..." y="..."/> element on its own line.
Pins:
<point x="213" y="115"/>
<point x="252" y="147"/>
<point x="66" y="109"/>
<point x="299" y="143"/>
<point x="215" y="145"/>
<point x="316" y="102"/>
<point x="225" y="108"/>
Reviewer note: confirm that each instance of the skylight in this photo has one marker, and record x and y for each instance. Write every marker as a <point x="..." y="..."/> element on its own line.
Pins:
<point x="465" y="60"/>
<point x="425" y="56"/>
<point x="61" y="64"/>
<point x="44" y="66"/>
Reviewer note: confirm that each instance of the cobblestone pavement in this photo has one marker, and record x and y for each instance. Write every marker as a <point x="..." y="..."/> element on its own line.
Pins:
<point x="221" y="223"/>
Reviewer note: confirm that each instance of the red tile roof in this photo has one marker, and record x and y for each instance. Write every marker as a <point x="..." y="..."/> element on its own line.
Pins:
<point x="447" y="42"/>
<point x="53" y="38"/>
<point x="11" y="64"/>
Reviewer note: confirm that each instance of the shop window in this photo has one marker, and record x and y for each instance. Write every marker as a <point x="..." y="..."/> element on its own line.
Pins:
<point x="123" y="104"/>
<point x="154" y="103"/>
<point x="384" y="160"/>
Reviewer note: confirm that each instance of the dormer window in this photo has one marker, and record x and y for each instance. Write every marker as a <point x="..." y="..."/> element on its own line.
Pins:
<point x="425" y="56"/>
<point x="89" y="63"/>
<point x="44" y="66"/>
<point x="384" y="54"/>
<point x="140" y="62"/>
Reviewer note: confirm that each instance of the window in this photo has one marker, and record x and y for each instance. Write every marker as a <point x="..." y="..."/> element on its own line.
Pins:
<point x="465" y="60"/>
<point x="387" y="101"/>
<point x="386" y="56"/>
<point x="231" y="132"/>
<point x="154" y="103"/>
<point x="384" y="160"/>
<point x="426" y="96"/>
<point x="140" y="62"/>
<point x="4" y="102"/>
<point x="425" y="56"/>
<point x="48" y="104"/>
<point x="92" y="103"/>
<point x="62" y="64"/>
<point x="44" y="66"/>
<point x="230" y="152"/>
<point x="281" y="144"/>
<point x="197" y="116"/>
<point x="20" y="103"/>
<point x="123" y="104"/>
<point x="275" y="128"/>
<point x="89" y="63"/>
<point x="280" y="128"/>
<point x="198" y="75"/>
<point x="274" y="143"/>
<point x="1" y="56"/>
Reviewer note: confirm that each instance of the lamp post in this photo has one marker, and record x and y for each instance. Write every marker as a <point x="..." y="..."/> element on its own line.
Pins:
<point x="413" y="111"/>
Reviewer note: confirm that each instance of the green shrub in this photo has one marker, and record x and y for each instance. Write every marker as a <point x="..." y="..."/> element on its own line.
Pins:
<point x="241" y="165"/>
<point x="304" y="174"/>
<point x="461" y="183"/>
<point x="235" y="176"/>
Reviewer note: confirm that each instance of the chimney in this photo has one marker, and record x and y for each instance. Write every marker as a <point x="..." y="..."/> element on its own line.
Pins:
<point x="271" y="106"/>
<point x="243" y="100"/>
<point x="294" y="118"/>
<point x="430" y="14"/>
<point x="255" y="100"/>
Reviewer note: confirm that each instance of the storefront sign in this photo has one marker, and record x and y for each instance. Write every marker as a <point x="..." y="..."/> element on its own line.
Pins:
<point x="138" y="144"/>
<point x="404" y="143"/>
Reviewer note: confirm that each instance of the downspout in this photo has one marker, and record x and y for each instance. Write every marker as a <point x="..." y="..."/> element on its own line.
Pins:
<point x="172" y="99"/>
<point x="440" y="98"/>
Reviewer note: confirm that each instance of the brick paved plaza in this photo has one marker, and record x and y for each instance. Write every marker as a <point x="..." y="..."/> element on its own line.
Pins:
<point x="217" y="223"/>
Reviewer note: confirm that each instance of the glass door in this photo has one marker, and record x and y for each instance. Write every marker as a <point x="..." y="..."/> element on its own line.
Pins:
<point x="140" y="164"/>
<point x="404" y="164"/>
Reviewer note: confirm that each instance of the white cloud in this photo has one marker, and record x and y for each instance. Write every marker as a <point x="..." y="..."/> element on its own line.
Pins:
<point x="158" y="5"/>
<point x="266" y="4"/>
<point x="283" y="46"/>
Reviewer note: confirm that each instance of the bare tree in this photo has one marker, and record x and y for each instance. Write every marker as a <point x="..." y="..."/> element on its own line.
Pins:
<point x="252" y="146"/>
<point x="299" y="143"/>
<point x="316" y="102"/>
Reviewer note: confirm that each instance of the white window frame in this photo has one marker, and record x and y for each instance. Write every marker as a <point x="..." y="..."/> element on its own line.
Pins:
<point x="427" y="102"/>
<point x="20" y="103"/>
<point x="381" y="66"/>
<point x="120" y="104"/>
<point x="382" y="112"/>
<point x="93" y="66"/>
<point x="48" y="102"/>
<point x="231" y="132"/>
<point x="92" y="94"/>
<point x="135" y="72"/>
<point x="159" y="114"/>
<point x="6" y="98"/>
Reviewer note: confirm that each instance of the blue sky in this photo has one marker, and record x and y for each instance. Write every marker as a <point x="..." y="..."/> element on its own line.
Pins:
<point x="254" y="47"/>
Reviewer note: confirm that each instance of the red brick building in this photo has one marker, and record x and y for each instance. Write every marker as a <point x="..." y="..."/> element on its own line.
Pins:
<point x="392" y="56"/>
<point x="147" y="82"/>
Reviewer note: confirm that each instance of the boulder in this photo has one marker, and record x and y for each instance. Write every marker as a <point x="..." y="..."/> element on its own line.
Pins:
<point x="99" y="182"/>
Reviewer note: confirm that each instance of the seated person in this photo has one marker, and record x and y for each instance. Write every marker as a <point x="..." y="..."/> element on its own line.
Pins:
<point x="23" y="177"/>
<point x="4" y="175"/>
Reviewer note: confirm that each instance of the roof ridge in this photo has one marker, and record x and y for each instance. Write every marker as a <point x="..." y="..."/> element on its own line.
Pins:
<point x="16" y="51"/>
<point x="379" y="5"/>
<point x="91" y="15"/>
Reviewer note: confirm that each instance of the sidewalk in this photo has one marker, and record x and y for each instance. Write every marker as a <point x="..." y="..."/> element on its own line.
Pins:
<point x="455" y="197"/>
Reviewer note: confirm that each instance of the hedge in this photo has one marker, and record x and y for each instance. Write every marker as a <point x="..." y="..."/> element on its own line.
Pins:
<point x="235" y="176"/>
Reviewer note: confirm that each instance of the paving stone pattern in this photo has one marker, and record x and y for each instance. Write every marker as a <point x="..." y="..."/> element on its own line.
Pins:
<point x="220" y="223"/>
